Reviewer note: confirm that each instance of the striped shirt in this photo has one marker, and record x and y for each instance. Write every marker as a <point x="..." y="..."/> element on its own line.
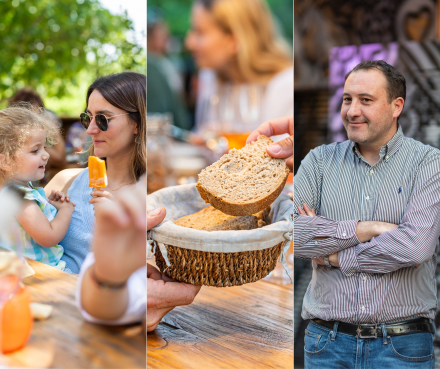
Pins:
<point x="377" y="280"/>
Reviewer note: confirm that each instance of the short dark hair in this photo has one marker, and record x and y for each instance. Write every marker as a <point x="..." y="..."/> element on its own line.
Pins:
<point x="395" y="80"/>
<point x="27" y="95"/>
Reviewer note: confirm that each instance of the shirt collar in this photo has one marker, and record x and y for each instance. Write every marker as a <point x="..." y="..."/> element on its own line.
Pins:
<point x="389" y="149"/>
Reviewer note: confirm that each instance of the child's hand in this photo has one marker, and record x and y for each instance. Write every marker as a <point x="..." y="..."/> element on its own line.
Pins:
<point x="59" y="196"/>
<point x="58" y="204"/>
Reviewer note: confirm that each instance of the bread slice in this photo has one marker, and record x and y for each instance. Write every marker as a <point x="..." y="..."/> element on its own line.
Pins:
<point x="244" y="181"/>
<point x="211" y="219"/>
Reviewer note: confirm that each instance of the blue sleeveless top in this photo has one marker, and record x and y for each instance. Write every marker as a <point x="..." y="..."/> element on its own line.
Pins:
<point x="80" y="233"/>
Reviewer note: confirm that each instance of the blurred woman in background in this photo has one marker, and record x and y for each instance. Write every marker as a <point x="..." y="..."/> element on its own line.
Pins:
<point x="246" y="74"/>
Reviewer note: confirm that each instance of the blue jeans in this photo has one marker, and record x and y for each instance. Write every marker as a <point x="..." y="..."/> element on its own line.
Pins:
<point x="328" y="349"/>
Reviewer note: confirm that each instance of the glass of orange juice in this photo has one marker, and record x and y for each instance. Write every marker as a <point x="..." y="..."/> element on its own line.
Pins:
<point x="15" y="313"/>
<point x="17" y="321"/>
<point x="236" y="140"/>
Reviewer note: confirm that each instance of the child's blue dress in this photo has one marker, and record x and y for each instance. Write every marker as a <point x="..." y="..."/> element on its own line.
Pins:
<point x="19" y="237"/>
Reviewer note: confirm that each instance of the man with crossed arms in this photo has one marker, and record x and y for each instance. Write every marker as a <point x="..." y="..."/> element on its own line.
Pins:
<point x="373" y="240"/>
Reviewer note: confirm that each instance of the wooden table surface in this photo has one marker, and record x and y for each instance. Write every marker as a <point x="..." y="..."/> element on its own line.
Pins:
<point x="65" y="339"/>
<point x="250" y="326"/>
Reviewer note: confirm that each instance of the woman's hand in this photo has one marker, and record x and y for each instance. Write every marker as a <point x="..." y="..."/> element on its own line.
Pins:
<point x="101" y="196"/>
<point x="163" y="293"/>
<point x="119" y="245"/>
<point x="120" y="237"/>
<point x="282" y="149"/>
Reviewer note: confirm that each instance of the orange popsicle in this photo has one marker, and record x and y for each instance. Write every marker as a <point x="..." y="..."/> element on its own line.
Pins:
<point x="97" y="173"/>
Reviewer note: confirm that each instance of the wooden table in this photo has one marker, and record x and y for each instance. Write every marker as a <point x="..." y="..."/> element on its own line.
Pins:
<point x="250" y="326"/>
<point x="65" y="339"/>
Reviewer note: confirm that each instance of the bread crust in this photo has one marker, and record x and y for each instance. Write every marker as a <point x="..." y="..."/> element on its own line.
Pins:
<point x="210" y="219"/>
<point x="237" y="209"/>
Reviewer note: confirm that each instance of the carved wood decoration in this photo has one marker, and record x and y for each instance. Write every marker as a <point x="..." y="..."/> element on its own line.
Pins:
<point x="321" y="25"/>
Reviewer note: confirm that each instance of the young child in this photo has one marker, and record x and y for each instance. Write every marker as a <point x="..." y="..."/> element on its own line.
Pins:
<point x="24" y="136"/>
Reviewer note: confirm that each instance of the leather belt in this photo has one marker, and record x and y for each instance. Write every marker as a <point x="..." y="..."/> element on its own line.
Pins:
<point x="418" y="325"/>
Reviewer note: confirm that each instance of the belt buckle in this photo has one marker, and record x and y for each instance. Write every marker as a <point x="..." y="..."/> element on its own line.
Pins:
<point x="359" y="331"/>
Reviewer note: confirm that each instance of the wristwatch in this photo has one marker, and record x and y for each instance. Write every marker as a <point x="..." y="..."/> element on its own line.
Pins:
<point x="327" y="262"/>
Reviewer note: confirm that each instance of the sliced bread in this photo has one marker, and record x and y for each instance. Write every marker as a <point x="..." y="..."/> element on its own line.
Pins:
<point x="244" y="181"/>
<point x="211" y="219"/>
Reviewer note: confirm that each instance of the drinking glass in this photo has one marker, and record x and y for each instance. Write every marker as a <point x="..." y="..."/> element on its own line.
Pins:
<point x="240" y="113"/>
<point x="229" y="116"/>
<point x="10" y="261"/>
<point x="10" y="271"/>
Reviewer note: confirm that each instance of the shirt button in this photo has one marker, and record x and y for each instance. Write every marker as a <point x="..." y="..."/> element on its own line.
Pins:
<point x="387" y="157"/>
<point x="316" y="242"/>
<point x="344" y="234"/>
<point x="363" y="308"/>
<point x="367" y="198"/>
<point x="371" y="171"/>
<point x="353" y="270"/>
<point x="365" y="278"/>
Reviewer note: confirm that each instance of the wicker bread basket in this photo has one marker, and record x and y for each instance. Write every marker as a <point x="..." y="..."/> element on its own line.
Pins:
<point x="218" y="258"/>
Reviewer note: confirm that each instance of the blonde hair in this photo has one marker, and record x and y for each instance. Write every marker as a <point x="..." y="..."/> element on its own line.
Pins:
<point x="17" y="124"/>
<point x="261" y="53"/>
<point x="128" y="91"/>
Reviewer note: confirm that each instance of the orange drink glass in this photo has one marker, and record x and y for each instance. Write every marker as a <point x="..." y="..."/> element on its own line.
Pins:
<point x="17" y="321"/>
<point x="236" y="140"/>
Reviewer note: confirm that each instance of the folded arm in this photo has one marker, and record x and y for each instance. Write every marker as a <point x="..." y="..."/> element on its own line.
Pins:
<point x="413" y="242"/>
<point x="364" y="231"/>
<point x="317" y="236"/>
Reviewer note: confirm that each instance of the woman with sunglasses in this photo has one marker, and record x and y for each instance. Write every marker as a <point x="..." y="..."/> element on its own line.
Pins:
<point x="115" y="118"/>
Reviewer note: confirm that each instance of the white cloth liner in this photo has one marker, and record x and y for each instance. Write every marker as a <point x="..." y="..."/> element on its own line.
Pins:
<point x="185" y="199"/>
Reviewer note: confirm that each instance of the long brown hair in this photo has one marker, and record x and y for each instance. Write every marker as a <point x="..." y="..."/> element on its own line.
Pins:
<point x="262" y="53"/>
<point x="128" y="91"/>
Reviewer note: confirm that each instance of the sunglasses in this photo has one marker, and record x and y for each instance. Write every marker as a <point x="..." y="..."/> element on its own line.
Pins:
<point x="100" y="119"/>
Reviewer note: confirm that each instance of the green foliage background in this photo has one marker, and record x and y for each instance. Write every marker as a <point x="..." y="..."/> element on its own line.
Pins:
<point x="177" y="14"/>
<point x="58" y="47"/>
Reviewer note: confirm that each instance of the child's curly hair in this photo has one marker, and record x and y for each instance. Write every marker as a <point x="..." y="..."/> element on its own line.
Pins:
<point x="17" y="124"/>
